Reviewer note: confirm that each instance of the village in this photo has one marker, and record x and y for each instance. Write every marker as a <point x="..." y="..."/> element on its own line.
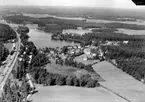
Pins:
<point x="88" y="55"/>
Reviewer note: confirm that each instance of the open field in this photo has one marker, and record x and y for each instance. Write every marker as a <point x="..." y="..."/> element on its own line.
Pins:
<point x="131" y="32"/>
<point x="77" y="31"/>
<point x="64" y="70"/>
<point x="73" y="94"/>
<point x="86" y="62"/>
<point x="120" y="82"/>
<point x="8" y="46"/>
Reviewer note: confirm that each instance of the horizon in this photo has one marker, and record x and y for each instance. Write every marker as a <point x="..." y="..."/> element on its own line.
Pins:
<point x="122" y="4"/>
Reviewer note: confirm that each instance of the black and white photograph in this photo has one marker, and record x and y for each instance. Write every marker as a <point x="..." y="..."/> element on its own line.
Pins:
<point x="72" y="51"/>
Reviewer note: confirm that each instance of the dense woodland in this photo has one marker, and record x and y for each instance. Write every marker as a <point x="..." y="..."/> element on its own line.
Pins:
<point x="55" y="25"/>
<point x="134" y="66"/>
<point x="23" y="30"/>
<point x="50" y="24"/>
<point x="4" y="52"/>
<point x="129" y="58"/>
<point x="6" y="33"/>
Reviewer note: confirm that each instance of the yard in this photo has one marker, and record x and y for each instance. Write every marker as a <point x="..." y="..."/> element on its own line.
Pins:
<point x="81" y="59"/>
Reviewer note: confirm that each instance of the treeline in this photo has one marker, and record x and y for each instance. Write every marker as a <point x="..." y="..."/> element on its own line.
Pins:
<point x="129" y="57"/>
<point x="58" y="28"/>
<point x="125" y="26"/>
<point x="50" y="24"/>
<point x="6" y="33"/>
<point x="41" y="76"/>
<point x="115" y="25"/>
<point x="70" y="62"/>
<point x="132" y="49"/>
<point x="23" y="30"/>
<point x="101" y="36"/>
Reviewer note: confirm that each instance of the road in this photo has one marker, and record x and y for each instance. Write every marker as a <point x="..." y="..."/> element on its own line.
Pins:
<point x="11" y="60"/>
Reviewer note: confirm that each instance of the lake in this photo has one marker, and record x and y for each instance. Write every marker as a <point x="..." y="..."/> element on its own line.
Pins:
<point x="42" y="39"/>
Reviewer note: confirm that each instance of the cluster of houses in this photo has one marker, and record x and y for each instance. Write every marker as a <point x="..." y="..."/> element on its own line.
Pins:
<point x="94" y="52"/>
<point x="21" y="57"/>
<point x="91" y="52"/>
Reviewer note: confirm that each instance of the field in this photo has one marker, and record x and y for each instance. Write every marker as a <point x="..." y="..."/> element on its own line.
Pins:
<point x="121" y="83"/>
<point x="73" y="94"/>
<point x="64" y="70"/>
<point x="131" y="32"/>
<point x="8" y="46"/>
<point x="77" y="31"/>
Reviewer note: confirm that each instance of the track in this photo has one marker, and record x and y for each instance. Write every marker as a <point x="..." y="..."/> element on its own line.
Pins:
<point x="11" y="61"/>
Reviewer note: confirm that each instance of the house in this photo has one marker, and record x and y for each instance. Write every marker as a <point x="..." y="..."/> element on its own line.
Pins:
<point x="30" y="57"/>
<point x="87" y="51"/>
<point x="125" y="42"/>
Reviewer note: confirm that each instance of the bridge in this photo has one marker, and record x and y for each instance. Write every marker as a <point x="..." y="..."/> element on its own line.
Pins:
<point x="10" y="61"/>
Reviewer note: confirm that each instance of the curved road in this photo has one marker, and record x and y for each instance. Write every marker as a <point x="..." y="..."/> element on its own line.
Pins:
<point x="11" y="61"/>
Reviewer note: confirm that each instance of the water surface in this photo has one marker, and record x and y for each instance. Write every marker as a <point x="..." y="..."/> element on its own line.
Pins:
<point x="42" y="39"/>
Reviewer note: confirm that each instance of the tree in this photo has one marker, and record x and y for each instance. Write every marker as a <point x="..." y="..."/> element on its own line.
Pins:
<point x="92" y="83"/>
<point x="76" y="81"/>
<point x="69" y="81"/>
<point x="60" y="80"/>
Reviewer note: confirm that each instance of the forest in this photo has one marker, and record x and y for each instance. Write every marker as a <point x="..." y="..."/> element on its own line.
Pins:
<point x="134" y="66"/>
<point x="6" y="33"/>
<point x="4" y="52"/>
<point x="54" y="25"/>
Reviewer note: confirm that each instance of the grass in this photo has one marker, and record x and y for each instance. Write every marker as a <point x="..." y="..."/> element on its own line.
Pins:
<point x="131" y="32"/>
<point x="73" y="94"/>
<point x="64" y="70"/>
<point x="88" y="62"/>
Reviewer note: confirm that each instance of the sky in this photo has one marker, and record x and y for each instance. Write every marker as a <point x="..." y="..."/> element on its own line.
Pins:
<point x="78" y="3"/>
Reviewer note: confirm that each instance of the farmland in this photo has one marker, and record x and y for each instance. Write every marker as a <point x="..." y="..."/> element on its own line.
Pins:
<point x="73" y="94"/>
<point x="121" y="83"/>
